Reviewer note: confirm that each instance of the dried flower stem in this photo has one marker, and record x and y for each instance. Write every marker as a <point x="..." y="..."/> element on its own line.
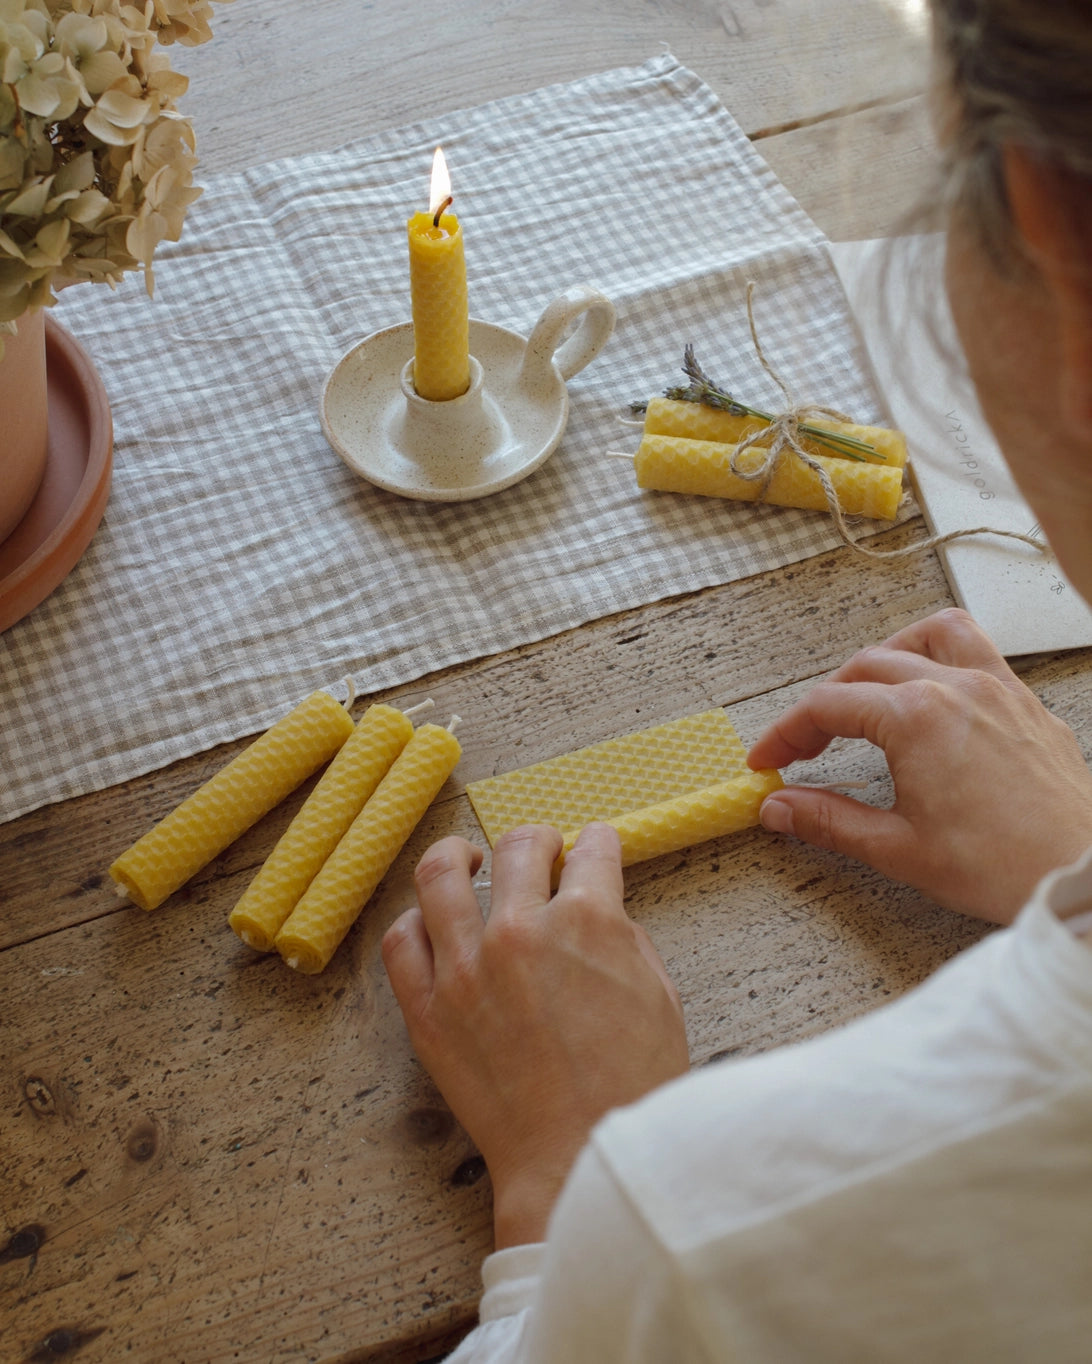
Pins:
<point x="702" y="389"/>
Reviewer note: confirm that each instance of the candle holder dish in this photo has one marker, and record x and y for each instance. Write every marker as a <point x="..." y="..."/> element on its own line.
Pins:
<point x="505" y="426"/>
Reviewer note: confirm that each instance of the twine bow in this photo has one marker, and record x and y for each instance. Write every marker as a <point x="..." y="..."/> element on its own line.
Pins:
<point x="783" y="434"/>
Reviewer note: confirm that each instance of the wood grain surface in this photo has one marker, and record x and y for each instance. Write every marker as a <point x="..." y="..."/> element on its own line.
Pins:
<point x="204" y="1157"/>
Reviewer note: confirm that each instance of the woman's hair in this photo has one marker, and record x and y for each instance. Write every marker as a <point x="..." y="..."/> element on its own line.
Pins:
<point x="1017" y="71"/>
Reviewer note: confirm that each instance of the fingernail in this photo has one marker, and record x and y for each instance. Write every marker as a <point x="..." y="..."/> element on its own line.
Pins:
<point x="776" y="815"/>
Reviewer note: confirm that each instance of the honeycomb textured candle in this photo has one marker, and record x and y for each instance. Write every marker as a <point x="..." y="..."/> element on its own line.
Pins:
<point x="699" y="421"/>
<point x="441" y="325"/>
<point x="230" y="802"/>
<point x="333" y="901"/>
<point x="675" y="464"/>
<point x="317" y="829"/>
<point x="725" y="808"/>
<point x="662" y="788"/>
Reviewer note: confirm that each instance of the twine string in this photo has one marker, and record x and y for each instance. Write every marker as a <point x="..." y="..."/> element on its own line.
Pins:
<point x="783" y="434"/>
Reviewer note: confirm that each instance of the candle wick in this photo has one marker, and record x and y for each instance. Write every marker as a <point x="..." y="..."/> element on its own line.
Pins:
<point x="456" y="720"/>
<point x="350" y="686"/>
<point x="618" y="454"/>
<point x="446" y="204"/>
<point x="426" y="704"/>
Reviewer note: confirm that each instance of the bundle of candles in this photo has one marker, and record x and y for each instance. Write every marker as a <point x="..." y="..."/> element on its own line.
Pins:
<point x="689" y="447"/>
<point x="663" y="789"/>
<point x="383" y="777"/>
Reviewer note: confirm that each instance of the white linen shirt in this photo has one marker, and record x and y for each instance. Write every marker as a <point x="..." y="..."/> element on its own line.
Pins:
<point x="914" y="1186"/>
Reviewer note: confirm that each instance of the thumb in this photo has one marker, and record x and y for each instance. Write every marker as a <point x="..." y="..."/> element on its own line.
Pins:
<point x="407" y="956"/>
<point x="827" y="819"/>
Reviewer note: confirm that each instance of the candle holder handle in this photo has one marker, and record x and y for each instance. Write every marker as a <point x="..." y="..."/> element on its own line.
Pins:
<point x="548" y="352"/>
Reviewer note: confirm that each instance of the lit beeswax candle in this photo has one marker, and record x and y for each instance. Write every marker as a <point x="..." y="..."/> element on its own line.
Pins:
<point x="315" y="832"/>
<point x="676" y="465"/>
<point x="722" y="809"/>
<point x="699" y="421"/>
<point x="230" y="802"/>
<point x="663" y="788"/>
<point x="334" y="899"/>
<point x="441" y="327"/>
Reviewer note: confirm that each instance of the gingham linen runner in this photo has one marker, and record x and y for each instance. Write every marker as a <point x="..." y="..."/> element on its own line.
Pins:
<point x="240" y="564"/>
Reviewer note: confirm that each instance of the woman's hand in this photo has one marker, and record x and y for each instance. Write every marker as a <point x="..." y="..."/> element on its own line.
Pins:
<point x="991" y="791"/>
<point x="538" y="1021"/>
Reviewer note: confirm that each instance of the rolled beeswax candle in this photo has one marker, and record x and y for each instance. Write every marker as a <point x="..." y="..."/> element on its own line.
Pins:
<point x="337" y="799"/>
<point x="441" y="325"/>
<point x="334" y="899"/>
<point x="676" y="465"/>
<point x="722" y="809"/>
<point x="230" y="802"/>
<point x="699" y="421"/>
<point x="662" y="788"/>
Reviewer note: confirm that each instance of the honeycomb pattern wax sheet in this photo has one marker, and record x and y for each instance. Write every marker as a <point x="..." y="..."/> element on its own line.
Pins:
<point x="684" y="780"/>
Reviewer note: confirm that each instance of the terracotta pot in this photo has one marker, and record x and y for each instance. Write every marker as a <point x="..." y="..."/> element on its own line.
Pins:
<point x="24" y="412"/>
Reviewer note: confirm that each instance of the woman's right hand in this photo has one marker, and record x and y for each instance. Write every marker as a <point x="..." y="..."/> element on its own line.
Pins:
<point x="991" y="790"/>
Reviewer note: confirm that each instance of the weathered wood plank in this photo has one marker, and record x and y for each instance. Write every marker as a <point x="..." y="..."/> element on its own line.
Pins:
<point x="338" y="70"/>
<point x="868" y="174"/>
<point x="203" y="1143"/>
<point x="249" y="1159"/>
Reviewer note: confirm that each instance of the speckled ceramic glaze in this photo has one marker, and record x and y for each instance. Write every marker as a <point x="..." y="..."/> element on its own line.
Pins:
<point x="504" y="427"/>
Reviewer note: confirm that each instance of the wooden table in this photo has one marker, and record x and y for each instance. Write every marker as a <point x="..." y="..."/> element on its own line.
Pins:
<point x="202" y="1158"/>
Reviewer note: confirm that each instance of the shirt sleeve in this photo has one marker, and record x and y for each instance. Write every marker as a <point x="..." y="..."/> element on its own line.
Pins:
<point x="600" y="1289"/>
<point x="510" y="1279"/>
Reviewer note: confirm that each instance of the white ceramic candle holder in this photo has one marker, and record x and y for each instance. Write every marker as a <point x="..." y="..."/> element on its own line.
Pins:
<point x="501" y="429"/>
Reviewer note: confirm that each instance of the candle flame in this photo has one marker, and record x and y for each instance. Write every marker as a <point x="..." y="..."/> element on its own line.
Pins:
<point x="441" y="182"/>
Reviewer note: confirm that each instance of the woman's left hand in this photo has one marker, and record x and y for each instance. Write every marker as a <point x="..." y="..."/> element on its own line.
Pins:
<point x="535" y="1023"/>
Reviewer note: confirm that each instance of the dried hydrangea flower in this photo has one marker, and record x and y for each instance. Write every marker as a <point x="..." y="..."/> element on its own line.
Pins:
<point x="96" y="162"/>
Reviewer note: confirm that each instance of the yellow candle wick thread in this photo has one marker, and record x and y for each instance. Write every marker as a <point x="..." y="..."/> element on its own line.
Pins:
<point x="446" y="204"/>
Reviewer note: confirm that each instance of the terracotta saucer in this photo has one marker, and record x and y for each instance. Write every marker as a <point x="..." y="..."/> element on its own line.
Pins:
<point x="48" y="541"/>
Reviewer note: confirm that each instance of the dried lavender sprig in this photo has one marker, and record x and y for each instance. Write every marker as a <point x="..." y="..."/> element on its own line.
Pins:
<point x="701" y="389"/>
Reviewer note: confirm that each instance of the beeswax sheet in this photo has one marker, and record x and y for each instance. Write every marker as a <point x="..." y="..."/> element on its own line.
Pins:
<point x="240" y="564"/>
<point x="613" y="778"/>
